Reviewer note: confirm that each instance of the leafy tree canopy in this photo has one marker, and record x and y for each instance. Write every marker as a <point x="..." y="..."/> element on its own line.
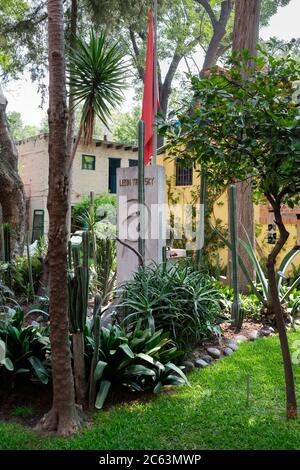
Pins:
<point x="17" y="128"/>
<point x="126" y="126"/>
<point x="246" y="127"/>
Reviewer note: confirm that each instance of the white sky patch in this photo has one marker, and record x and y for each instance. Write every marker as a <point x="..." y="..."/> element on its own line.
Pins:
<point x="23" y="96"/>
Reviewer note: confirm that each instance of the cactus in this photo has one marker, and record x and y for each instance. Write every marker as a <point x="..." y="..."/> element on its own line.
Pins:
<point x="29" y="265"/>
<point x="78" y="287"/>
<point x="105" y="258"/>
<point x="6" y="240"/>
<point x="96" y="331"/>
<point x="236" y="313"/>
<point x="78" y="284"/>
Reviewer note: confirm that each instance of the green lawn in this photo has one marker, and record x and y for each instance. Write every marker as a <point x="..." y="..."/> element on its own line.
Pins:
<point x="212" y="414"/>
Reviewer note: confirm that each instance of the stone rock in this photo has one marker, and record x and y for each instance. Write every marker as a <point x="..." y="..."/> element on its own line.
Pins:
<point x="35" y="324"/>
<point x="297" y="322"/>
<point x="188" y="366"/>
<point x="232" y="345"/>
<point x="214" y="352"/>
<point x="271" y="329"/>
<point x="207" y="359"/>
<point x="240" y="339"/>
<point x="253" y="335"/>
<point x="201" y="364"/>
<point x="265" y="332"/>
<point x="228" y="351"/>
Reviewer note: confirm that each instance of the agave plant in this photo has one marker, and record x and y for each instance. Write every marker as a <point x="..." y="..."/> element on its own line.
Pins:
<point x="96" y="77"/>
<point x="263" y="294"/>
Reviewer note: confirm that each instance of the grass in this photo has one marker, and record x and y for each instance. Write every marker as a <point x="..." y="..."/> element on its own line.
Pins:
<point x="23" y="412"/>
<point x="213" y="414"/>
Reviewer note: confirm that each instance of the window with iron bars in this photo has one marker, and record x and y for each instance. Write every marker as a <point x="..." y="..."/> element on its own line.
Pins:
<point x="184" y="175"/>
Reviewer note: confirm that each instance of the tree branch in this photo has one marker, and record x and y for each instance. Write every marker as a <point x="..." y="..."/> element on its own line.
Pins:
<point x="209" y="11"/>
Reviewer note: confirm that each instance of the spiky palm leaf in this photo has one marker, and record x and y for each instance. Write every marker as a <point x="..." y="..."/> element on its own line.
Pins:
<point x="97" y="75"/>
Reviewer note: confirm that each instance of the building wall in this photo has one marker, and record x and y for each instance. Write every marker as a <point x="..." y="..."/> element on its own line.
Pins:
<point x="34" y="163"/>
<point x="185" y="195"/>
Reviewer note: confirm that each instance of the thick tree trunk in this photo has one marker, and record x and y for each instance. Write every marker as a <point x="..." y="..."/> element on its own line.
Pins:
<point x="291" y="403"/>
<point x="12" y="197"/>
<point x="245" y="36"/>
<point x="63" y="417"/>
<point x="71" y="108"/>
<point x="79" y="368"/>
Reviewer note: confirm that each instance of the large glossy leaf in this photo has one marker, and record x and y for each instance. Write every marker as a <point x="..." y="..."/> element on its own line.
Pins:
<point x="126" y="349"/>
<point x="39" y="369"/>
<point x="102" y="393"/>
<point x="138" y="370"/>
<point x="99" y="370"/>
<point x="179" y="371"/>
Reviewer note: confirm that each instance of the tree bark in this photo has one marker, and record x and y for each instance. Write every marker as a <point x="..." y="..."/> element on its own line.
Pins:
<point x="12" y="196"/>
<point x="63" y="416"/>
<point x="291" y="403"/>
<point x="245" y="36"/>
<point x="219" y="30"/>
<point x="79" y="367"/>
<point x="71" y="109"/>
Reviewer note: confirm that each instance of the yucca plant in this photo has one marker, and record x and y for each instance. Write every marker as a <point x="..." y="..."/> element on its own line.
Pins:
<point x="97" y="75"/>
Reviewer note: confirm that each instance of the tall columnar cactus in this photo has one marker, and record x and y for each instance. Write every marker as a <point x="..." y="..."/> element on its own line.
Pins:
<point x="236" y="313"/>
<point x="105" y="258"/>
<point x="96" y="334"/>
<point x="78" y="286"/>
<point x="6" y="250"/>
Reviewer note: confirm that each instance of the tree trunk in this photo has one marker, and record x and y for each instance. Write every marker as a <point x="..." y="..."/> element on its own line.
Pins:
<point x="219" y="30"/>
<point x="291" y="403"/>
<point x="245" y="36"/>
<point x="79" y="367"/>
<point x="71" y="109"/>
<point x="63" y="416"/>
<point x="12" y="197"/>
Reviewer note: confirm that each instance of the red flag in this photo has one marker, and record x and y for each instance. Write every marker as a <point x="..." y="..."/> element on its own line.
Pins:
<point x="148" y="100"/>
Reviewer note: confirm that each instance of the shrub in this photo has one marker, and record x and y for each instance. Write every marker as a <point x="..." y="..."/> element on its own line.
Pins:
<point x="25" y="348"/>
<point x="106" y="201"/>
<point x="137" y="361"/>
<point x="176" y="299"/>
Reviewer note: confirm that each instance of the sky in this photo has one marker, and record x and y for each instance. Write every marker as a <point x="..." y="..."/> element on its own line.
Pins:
<point x="23" y="97"/>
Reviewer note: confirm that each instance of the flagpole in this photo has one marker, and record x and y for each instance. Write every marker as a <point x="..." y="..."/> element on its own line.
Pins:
<point x="155" y="81"/>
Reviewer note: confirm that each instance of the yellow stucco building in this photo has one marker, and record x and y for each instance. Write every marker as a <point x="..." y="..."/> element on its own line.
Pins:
<point x="183" y="185"/>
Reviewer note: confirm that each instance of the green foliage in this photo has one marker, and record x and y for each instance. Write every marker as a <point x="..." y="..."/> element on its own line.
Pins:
<point x="126" y="126"/>
<point x="26" y="349"/>
<point x="246" y="126"/>
<point x="103" y="203"/>
<point x="22" y="412"/>
<point x="17" y="128"/>
<point x="97" y="74"/>
<point x="176" y="299"/>
<point x="138" y="361"/>
<point x="21" y="276"/>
